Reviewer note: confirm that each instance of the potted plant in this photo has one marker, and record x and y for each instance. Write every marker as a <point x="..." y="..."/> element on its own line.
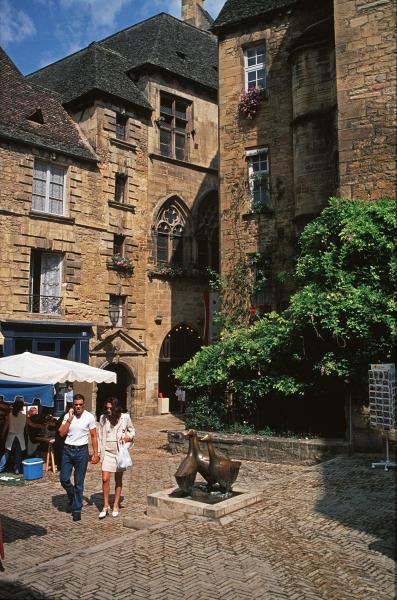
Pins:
<point x="249" y="103"/>
<point x="121" y="263"/>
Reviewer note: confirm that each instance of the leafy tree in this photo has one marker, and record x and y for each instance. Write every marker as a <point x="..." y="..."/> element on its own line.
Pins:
<point x="342" y="317"/>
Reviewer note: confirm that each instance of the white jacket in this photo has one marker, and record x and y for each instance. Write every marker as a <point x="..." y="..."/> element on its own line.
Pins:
<point x="124" y="426"/>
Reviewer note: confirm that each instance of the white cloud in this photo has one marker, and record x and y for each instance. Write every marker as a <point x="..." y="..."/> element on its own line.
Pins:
<point x="15" y="25"/>
<point x="101" y="13"/>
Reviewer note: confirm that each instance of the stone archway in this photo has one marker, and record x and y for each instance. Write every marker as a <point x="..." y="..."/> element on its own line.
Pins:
<point x="123" y="389"/>
<point x="178" y="346"/>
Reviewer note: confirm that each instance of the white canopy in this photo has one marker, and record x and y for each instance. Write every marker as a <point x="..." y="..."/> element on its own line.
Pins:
<point x="46" y="369"/>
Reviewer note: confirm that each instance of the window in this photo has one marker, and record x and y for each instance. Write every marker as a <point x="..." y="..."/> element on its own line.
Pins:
<point x="120" y="187"/>
<point x="254" y="66"/>
<point x="169" y="232"/>
<point x="117" y="305"/>
<point x="48" y="188"/>
<point x="261" y="296"/>
<point x="173" y="123"/>
<point x="118" y="244"/>
<point x="207" y="237"/>
<point x="258" y="178"/>
<point x="45" y="282"/>
<point x="121" y="126"/>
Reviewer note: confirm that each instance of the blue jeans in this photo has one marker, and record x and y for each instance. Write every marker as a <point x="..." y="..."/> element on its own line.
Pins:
<point x="77" y="457"/>
<point x="16" y="448"/>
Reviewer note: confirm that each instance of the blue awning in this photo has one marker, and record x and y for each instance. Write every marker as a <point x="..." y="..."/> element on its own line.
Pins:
<point x="28" y="391"/>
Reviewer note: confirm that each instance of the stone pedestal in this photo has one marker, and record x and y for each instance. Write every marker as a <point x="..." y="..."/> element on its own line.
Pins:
<point x="163" y="506"/>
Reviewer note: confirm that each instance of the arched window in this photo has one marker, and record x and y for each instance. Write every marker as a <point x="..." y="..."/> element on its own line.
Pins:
<point x="207" y="233"/>
<point x="169" y="231"/>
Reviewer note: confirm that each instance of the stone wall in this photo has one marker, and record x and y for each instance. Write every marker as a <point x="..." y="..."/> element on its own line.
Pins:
<point x="85" y="234"/>
<point x="273" y="233"/>
<point x="267" y="449"/>
<point x="366" y="88"/>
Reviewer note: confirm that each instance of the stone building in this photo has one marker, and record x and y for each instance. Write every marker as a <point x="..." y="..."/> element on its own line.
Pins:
<point x="323" y="125"/>
<point x="107" y="245"/>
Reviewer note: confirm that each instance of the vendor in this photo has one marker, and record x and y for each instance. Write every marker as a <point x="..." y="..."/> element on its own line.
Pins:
<point x="15" y="441"/>
<point x="4" y="412"/>
<point x="35" y="427"/>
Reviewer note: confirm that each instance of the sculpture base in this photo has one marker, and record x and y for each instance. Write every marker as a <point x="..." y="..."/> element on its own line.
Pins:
<point x="171" y="504"/>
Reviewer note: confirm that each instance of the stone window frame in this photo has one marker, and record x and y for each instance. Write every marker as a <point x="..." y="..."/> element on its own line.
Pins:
<point x="170" y="232"/>
<point x="121" y="126"/>
<point x="47" y="198"/>
<point x="119" y="244"/>
<point x="260" y="177"/>
<point x="254" y="68"/>
<point x="120" y="187"/>
<point x="168" y="125"/>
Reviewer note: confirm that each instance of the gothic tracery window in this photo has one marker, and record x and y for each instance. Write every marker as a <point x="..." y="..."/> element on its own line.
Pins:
<point x="207" y="234"/>
<point x="169" y="231"/>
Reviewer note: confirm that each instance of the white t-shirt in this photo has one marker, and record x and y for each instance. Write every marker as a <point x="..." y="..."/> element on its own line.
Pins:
<point x="79" y="428"/>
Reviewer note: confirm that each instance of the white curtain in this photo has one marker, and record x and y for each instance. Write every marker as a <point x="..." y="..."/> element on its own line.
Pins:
<point x="50" y="282"/>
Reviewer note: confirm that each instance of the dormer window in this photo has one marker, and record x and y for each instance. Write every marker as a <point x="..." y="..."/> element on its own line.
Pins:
<point x="121" y="126"/>
<point x="36" y="116"/>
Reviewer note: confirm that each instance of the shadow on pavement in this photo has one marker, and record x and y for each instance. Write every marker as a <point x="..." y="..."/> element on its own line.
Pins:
<point x="60" y="502"/>
<point x="97" y="499"/>
<point x="361" y="498"/>
<point x="11" y="590"/>
<point x="19" y="530"/>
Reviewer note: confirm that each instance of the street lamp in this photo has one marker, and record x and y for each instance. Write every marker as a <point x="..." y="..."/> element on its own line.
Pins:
<point x="114" y="314"/>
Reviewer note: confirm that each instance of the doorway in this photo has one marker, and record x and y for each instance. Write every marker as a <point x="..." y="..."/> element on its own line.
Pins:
<point x="123" y="389"/>
<point x="178" y="346"/>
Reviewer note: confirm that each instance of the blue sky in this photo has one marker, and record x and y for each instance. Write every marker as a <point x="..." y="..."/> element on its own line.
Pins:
<point x="35" y="33"/>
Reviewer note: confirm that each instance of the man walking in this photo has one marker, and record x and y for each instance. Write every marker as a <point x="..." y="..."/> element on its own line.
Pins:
<point x="77" y="423"/>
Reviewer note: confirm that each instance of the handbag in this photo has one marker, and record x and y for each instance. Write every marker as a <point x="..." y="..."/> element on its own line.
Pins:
<point x="123" y="458"/>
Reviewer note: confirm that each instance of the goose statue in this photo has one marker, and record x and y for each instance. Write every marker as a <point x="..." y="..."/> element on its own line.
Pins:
<point x="221" y="469"/>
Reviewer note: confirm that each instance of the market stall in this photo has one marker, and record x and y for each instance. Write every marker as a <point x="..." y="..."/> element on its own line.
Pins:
<point x="31" y="392"/>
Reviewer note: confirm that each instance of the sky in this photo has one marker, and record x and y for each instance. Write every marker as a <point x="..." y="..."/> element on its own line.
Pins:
<point x="35" y="33"/>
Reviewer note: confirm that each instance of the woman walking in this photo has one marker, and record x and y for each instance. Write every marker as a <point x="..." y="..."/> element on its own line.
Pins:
<point x="115" y="428"/>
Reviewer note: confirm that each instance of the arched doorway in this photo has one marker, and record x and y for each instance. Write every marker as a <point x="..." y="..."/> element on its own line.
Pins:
<point x="179" y="345"/>
<point x="122" y="390"/>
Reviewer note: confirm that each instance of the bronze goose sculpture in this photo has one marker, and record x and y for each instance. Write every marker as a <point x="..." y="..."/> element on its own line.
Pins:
<point x="187" y="470"/>
<point x="203" y="462"/>
<point x="221" y="469"/>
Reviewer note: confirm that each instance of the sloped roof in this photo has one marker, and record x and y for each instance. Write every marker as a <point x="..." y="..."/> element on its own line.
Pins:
<point x="93" y="68"/>
<point x="161" y="41"/>
<point x="30" y="114"/>
<point x="157" y="41"/>
<point x="235" y="11"/>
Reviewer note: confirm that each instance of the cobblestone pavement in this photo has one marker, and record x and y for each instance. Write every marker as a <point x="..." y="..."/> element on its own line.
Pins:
<point x="323" y="532"/>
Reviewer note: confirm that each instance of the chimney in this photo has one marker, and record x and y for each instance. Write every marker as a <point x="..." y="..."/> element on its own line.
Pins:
<point x="193" y="12"/>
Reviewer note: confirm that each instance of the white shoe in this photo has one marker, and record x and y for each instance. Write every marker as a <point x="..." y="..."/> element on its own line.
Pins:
<point x="115" y="513"/>
<point x="103" y="513"/>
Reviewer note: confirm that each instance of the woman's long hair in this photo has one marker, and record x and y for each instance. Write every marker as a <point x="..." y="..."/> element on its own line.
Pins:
<point x="115" y="415"/>
<point x="17" y="407"/>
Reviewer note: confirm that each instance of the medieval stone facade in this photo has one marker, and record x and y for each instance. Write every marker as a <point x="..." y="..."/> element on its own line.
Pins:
<point x="105" y="246"/>
<point x="323" y="125"/>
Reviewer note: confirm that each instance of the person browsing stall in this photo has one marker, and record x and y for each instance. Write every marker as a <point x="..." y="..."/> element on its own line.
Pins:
<point x="77" y="424"/>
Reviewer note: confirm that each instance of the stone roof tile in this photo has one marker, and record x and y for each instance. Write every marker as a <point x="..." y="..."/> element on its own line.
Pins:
<point x="235" y="11"/>
<point x="161" y="41"/>
<point x="30" y="114"/>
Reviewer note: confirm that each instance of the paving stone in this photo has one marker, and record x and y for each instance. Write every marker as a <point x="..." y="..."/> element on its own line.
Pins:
<point x="324" y="532"/>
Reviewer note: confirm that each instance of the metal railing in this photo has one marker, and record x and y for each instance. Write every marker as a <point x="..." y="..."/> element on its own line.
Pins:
<point x="47" y="305"/>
